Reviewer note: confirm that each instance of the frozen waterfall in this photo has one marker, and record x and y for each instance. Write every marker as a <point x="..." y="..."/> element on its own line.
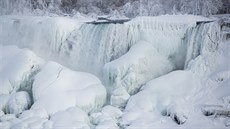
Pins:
<point x="87" y="47"/>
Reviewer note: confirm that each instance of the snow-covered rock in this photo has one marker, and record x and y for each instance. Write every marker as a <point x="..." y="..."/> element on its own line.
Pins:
<point x="18" y="102"/>
<point x="66" y="88"/>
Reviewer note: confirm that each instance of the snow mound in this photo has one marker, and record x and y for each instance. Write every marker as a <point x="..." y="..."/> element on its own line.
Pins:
<point x="71" y="118"/>
<point x="141" y="64"/>
<point x="158" y="94"/>
<point x="40" y="113"/>
<point x="119" y="97"/>
<point x="17" y="69"/>
<point x="107" y="118"/>
<point x="66" y="88"/>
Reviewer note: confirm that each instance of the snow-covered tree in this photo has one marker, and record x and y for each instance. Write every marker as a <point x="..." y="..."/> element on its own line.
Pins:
<point x="130" y="8"/>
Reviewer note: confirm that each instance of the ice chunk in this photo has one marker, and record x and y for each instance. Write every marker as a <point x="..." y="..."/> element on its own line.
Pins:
<point x="66" y="88"/>
<point x="18" y="102"/>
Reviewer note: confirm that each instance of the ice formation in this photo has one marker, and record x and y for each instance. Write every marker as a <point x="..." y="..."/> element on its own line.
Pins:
<point x="158" y="72"/>
<point x="18" y="102"/>
<point x="107" y="118"/>
<point x="66" y="88"/>
<point x="161" y="48"/>
<point x="43" y="35"/>
<point x="193" y="84"/>
<point x="17" y="69"/>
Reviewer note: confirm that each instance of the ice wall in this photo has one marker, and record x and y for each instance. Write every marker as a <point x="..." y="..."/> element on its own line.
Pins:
<point x="91" y="46"/>
<point x="103" y="43"/>
<point x="44" y="35"/>
<point x="201" y="39"/>
<point x="87" y="47"/>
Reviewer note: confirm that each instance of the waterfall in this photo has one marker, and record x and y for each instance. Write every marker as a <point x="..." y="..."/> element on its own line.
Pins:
<point x="91" y="46"/>
<point x="87" y="47"/>
<point x="201" y="39"/>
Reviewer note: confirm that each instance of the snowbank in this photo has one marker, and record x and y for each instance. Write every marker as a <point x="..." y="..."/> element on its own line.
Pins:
<point x="66" y="88"/>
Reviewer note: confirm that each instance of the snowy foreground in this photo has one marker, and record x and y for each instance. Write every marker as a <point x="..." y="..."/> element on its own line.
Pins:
<point x="170" y="71"/>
